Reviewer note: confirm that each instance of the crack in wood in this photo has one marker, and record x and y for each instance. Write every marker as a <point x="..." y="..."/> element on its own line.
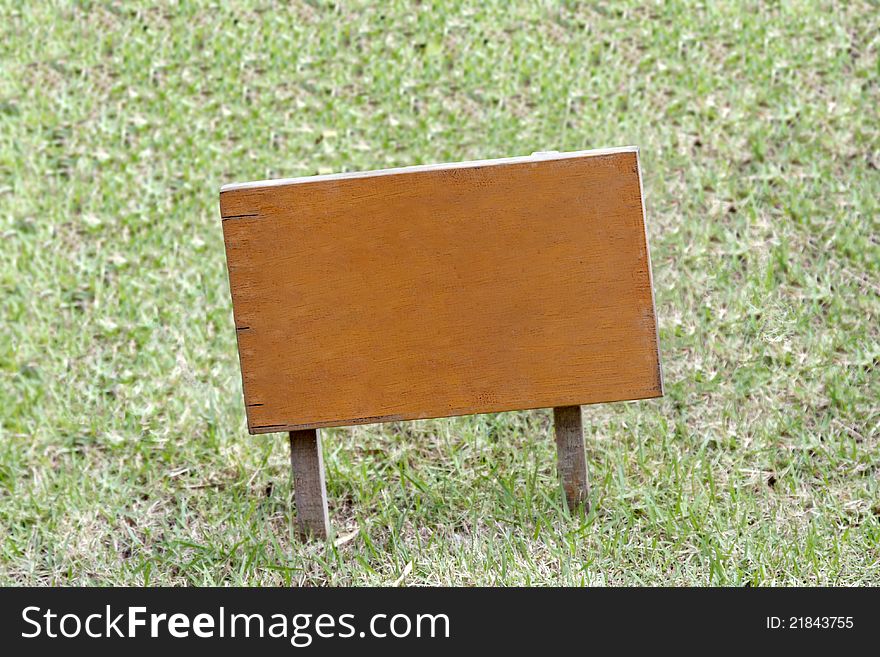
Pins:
<point x="240" y="216"/>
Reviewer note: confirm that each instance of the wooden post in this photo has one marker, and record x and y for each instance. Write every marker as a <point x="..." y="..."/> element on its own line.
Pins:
<point x="572" y="462"/>
<point x="307" y="463"/>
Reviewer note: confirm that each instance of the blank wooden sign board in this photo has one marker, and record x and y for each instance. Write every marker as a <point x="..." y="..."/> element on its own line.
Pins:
<point x="440" y="290"/>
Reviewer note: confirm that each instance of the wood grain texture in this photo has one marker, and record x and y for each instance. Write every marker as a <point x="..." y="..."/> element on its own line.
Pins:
<point x="310" y="489"/>
<point x="442" y="290"/>
<point x="571" y="460"/>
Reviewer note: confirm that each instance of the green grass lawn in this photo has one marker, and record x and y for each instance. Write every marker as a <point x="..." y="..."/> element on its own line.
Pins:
<point x="124" y="456"/>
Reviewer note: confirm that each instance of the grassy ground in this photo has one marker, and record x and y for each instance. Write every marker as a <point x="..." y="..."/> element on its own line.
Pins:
<point x="124" y="457"/>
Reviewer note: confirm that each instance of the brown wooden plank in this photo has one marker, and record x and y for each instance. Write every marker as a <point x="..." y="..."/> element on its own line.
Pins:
<point x="442" y="290"/>
<point x="571" y="460"/>
<point x="307" y="464"/>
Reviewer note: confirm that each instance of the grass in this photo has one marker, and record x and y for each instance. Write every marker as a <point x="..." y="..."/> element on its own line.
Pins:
<point x="124" y="457"/>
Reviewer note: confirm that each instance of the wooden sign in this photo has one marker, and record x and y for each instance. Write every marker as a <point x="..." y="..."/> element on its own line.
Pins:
<point x="441" y="290"/>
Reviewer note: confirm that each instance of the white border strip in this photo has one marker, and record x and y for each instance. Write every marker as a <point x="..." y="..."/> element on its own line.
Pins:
<point x="650" y="276"/>
<point x="543" y="155"/>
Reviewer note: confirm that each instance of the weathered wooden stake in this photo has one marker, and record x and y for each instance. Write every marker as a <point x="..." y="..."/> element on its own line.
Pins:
<point x="572" y="462"/>
<point x="307" y="463"/>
